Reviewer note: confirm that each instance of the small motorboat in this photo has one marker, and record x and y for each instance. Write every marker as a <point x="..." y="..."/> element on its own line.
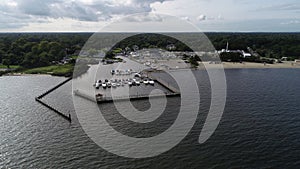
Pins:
<point x="108" y="84"/>
<point x="129" y="83"/>
<point x="104" y="85"/>
<point x="114" y="85"/>
<point x="97" y="85"/>
<point x="146" y="82"/>
<point x="151" y="82"/>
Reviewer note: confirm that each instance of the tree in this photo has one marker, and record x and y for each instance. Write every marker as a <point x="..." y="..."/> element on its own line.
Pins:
<point x="230" y="56"/>
<point x="6" y="62"/>
<point x="2" y="53"/>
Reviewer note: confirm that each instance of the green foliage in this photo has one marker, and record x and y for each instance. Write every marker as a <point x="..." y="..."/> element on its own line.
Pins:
<point x="151" y="40"/>
<point x="6" y="62"/>
<point x="58" y="70"/>
<point x="10" y="66"/>
<point x="194" y="61"/>
<point x="31" y="50"/>
<point x="38" y="49"/>
<point x="273" y="45"/>
<point x="230" y="57"/>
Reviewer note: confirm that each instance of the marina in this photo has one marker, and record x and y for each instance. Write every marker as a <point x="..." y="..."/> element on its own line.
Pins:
<point x="140" y="80"/>
<point x="128" y="80"/>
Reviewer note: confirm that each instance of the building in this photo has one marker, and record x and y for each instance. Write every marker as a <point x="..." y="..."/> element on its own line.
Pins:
<point x="242" y="52"/>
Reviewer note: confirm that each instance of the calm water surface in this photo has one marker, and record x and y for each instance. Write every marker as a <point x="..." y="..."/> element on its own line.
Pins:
<point x="260" y="127"/>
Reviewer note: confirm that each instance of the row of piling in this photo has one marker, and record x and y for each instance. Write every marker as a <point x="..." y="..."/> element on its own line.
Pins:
<point x="39" y="99"/>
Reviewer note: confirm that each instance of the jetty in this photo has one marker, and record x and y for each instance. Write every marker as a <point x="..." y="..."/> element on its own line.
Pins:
<point x="39" y="99"/>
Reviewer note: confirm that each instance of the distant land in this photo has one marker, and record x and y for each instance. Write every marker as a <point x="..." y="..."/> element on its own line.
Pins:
<point x="56" y="53"/>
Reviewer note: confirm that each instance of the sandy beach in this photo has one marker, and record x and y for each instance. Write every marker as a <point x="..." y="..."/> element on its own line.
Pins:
<point x="230" y="65"/>
<point x="179" y="64"/>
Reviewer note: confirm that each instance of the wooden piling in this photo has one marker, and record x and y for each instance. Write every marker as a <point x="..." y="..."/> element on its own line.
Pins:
<point x="38" y="99"/>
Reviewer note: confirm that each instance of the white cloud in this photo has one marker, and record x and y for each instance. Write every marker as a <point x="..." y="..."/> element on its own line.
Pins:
<point x="290" y="22"/>
<point x="46" y="14"/>
<point x="144" y="17"/>
<point x="81" y="10"/>
<point x="186" y="18"/>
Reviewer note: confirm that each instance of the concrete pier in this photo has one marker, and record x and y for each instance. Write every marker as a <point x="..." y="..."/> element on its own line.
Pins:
<point x="121" y="98"/>
<point x="164" y="84"/>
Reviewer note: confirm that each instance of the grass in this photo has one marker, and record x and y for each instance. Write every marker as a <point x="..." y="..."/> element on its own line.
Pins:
<point x="58" y="70"/>
<point x="11" y="66"/>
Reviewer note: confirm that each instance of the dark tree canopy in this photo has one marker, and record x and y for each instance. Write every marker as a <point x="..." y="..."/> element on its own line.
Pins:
<point x="41" y="49"/>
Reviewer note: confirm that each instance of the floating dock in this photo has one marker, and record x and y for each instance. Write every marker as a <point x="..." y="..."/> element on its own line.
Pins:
<point x="39" y="99"/>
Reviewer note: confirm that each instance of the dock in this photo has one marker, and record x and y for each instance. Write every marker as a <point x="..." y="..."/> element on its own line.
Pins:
<point x="173" y="92"/>
<point x="164" y="84"/>
<point x="107" y="99"/>
<point x="39" y="99"/>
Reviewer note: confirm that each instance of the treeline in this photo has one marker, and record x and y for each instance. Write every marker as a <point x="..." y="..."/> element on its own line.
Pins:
<point x="266" y="45"/>
<point x="270" y="45"/>
<point x="37" y="50"/>
<point x="152" y="40"/>
<point x="41" y="49"/>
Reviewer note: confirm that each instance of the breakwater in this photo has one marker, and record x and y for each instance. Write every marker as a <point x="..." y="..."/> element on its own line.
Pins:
<point x="39" y="99"/>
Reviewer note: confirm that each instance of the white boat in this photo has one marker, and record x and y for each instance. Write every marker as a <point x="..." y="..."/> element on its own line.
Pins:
<point x="137" y="75"/>
<point x="146" y="82"/>
<point x="129" y="83"/>
<point x="97" y="85"/>
<point x="114" y="85"/>
<point x="108" y="84"/>
<point x="151" y="82"/>
<point x="137" y="83"/>
<point x="104" y="85"/>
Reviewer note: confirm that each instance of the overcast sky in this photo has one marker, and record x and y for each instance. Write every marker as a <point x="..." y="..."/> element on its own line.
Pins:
<point x="91" y="15"/>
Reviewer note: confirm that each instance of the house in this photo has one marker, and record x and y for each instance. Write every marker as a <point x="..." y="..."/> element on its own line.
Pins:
<point x="242" y="52"/>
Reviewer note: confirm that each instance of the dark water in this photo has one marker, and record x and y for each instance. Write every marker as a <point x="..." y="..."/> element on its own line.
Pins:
<point x="260" y="127"/>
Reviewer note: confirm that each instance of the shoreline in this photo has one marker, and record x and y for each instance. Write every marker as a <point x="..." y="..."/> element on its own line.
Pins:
<point x="27" y="74"/>
<point x="251" y="65"/>
<point x="204" y="65"/>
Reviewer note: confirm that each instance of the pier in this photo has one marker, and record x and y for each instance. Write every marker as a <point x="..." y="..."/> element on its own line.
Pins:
<point x="121" y="98"/>
<point x="164" y="84"/>
<point x="39" y="99"/>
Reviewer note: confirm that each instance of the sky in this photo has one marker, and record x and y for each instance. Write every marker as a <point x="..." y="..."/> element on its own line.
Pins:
<point x="92" y="15"/>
